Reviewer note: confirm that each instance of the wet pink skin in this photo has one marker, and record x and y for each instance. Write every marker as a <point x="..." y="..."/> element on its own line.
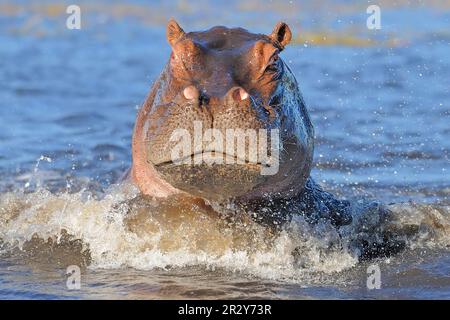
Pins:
<point x="143" y="175"/>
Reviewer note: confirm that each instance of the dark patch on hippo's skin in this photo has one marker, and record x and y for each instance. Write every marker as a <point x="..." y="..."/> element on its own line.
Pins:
<point x="370" y="240"/>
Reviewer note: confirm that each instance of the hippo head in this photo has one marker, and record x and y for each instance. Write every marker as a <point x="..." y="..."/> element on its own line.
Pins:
<point x="224" y="120"/>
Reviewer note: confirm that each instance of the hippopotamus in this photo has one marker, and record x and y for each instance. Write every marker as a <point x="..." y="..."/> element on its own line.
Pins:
<point x="223" y="79"/>
<point x="230" y="78"/>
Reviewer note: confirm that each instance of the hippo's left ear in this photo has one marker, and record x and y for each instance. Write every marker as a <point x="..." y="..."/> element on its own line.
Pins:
<point x="281" y="34"/>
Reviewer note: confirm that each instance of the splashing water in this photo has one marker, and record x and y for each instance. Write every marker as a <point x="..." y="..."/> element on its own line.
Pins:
<point x="119" y="230"/>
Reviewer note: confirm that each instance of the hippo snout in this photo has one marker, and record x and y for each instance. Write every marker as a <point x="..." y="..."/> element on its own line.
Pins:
<point x="215" y="147"/>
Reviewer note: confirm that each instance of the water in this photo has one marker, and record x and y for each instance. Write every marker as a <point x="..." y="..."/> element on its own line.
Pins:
<point x="68" y="103"/>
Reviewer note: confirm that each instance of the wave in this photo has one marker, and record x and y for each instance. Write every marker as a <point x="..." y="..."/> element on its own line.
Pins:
<point x="121" y="229"/>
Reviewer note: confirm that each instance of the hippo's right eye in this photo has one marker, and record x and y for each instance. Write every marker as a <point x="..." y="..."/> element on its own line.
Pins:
<point x="273" y="64"/>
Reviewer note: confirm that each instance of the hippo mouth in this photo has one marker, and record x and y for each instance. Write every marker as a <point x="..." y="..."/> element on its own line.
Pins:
<point x="212" y="157"/>
<point x="232" y="177"/>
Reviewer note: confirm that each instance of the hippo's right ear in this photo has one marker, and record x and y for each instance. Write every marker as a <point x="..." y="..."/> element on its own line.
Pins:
<point x="174" y="32"/>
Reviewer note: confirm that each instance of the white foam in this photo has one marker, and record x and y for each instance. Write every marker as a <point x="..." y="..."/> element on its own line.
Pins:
<point x="154" y="237"/>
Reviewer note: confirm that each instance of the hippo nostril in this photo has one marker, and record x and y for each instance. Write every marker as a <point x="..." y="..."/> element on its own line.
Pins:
<point x="238" y="94"/>
<point x="203" y="99"/>
<point x="191" y="93"/>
